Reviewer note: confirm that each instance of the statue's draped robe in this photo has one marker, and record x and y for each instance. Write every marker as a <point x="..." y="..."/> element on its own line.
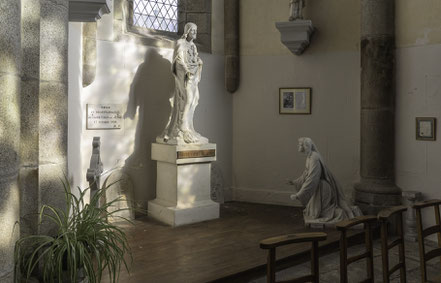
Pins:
<point x="187" y="73"/>
<point x="321" y="195"/>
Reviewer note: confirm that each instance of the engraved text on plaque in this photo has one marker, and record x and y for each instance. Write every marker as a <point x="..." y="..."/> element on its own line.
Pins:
<point x="104" y="116"/>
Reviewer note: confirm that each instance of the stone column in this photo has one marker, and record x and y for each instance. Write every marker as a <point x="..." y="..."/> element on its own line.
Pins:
<point x="52" y="150"/>
<point x="231" y="45"/>
<point x="10" y="61"/>
<point x="377" y="189"/>
<point x="29" y="108"/>
<point x="43" y="107"/>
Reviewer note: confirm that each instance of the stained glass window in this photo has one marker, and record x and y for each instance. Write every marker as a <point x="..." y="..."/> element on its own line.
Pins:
<point x="156" y="14"/>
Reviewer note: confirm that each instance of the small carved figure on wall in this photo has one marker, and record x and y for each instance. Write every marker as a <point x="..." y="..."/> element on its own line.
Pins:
<point x="295" y="9"/>
<point x="318" y="190"/>
<point x="187" y="69"/>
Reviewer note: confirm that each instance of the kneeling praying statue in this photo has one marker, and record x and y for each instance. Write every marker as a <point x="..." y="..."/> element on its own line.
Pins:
<point x="318" y="191"/>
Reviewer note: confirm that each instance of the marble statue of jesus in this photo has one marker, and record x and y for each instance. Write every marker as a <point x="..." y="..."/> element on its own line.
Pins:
<point x="186" y="69"/>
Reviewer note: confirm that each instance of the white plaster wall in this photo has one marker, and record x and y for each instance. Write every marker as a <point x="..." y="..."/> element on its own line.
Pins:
<point x="418" y="94"/>
<point x="265" y="142"/>
<point x="139" y="77"/>
<point x="418" y="163"/>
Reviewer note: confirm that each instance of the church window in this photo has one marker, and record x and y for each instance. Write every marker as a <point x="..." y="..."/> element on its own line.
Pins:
<point x="159" y="15"/>
<point x="160" y="23"/>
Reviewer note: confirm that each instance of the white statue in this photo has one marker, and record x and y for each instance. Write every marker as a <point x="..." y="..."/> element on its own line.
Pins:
<point x="318" y="190"/>
<point x="186" y="68"/>
<point x="295" y="9"/>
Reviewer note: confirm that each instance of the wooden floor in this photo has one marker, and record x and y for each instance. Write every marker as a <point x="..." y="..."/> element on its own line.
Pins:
<point x="212" y="250"/>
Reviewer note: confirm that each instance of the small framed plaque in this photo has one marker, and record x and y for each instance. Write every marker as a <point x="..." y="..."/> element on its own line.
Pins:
<point x="295" y="100"/>
<point x="104" y="116"/>
<point x="426" y="128"/>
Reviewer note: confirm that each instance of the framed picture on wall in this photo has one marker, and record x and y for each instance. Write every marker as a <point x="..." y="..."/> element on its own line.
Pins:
<point x="295" y="100"/>
<point x="426" y="128"/>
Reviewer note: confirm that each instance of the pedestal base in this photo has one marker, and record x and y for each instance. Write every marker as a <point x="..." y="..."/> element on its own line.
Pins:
<point x="372" y="196"/>
<point x="176" y="216"/>
<point x="183" y="184"/>
<point x="411" y="231"/>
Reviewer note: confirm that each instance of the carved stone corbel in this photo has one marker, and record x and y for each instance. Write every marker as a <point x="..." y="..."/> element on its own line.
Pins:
<point x="295" y="35"/>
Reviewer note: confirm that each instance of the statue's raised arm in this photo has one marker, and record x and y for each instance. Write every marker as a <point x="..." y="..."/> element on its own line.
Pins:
<point x="187" y="70"/>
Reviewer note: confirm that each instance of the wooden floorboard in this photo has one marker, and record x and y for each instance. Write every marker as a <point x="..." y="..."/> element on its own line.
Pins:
<point x="211" y="250"/>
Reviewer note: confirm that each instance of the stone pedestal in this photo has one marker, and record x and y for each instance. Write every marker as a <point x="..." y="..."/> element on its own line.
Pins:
<point x="411" y="197"/>
<point x="183" y="184"/>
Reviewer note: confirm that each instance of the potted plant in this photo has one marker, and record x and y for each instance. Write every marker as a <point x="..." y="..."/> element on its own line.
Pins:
<point x="85" y="242"/>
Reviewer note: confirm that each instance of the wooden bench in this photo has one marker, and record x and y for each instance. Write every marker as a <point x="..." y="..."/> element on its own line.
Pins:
<point x="343" y="226"/>
<point x="423" y="233"/>
<point x="384" y="217"/>
<point x="271" y="244"/>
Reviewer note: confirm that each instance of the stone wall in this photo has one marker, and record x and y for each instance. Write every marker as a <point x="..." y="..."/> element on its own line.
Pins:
<point x="43" y="107"/>
<point x="10" y="68"/>
<point x="53" y="100"/>
<point x="198" y="12"/>
<point x="33" y="116"/>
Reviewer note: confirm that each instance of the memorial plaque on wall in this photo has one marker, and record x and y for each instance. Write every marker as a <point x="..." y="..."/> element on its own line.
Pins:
<point x="104" y="116"/>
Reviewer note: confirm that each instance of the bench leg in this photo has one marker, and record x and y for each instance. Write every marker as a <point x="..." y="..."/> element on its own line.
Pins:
<point x="271" y="266"/>
<point x="385" y="251"/>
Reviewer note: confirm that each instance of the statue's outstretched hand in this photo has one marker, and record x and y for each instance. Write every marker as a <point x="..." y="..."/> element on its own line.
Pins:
<point x="293" y="197"/>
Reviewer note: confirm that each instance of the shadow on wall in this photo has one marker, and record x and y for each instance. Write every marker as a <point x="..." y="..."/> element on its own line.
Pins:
<point x="152" y="86"/>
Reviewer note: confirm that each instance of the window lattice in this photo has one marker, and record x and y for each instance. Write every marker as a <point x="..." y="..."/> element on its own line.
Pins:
<point x="156" y="14"/>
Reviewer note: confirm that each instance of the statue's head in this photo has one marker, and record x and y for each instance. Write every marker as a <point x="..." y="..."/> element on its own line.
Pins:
<point x="190" y="31"/>
<point x="306" y="145"/>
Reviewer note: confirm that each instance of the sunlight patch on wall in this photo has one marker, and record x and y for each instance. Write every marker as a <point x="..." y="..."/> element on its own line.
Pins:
<point x="9" y="216"/>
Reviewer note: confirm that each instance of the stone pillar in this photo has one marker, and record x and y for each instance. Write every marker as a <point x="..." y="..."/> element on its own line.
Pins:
<point x="52" y="150"/>
<point x="10" y="65"/>
<point x="377" y="188"/>
<point x="43" y="108"/>
<point x="29" y="108"/>
<point x="231" y="45"/>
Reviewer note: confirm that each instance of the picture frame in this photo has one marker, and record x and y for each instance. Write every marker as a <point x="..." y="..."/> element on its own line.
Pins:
<point x="295" y="100"/>
<point x="425" y="128"/>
